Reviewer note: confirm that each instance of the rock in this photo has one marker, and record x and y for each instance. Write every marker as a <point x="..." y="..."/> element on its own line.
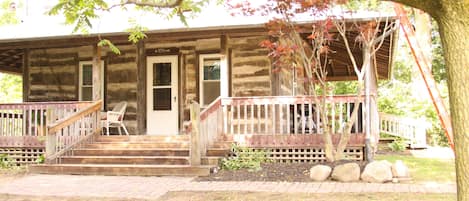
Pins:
<point x="400" y="170"/>
<point x="377" y="172"/>
<point x="320" y="172"/>
<point x="346" y="172"/>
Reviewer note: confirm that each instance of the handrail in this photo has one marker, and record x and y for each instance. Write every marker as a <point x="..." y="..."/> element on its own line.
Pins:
<point x="410" y="129"/>
<point x="62" y="123"/>
<point x="32" y="118"/>
<point x="72" y="131"/>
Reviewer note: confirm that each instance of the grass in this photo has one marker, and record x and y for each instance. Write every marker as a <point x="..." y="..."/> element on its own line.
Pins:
<point x="8" y="197"/>
<point x="254" y="196"/>
<point x="426" y="169"/>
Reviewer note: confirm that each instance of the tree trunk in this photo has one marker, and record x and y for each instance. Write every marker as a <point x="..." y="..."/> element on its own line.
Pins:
<point x="453" y="22"/>
<point x="454" y="29"/>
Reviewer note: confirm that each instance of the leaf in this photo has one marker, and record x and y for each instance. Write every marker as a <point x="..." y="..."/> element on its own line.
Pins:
<point x="105" y="42"/>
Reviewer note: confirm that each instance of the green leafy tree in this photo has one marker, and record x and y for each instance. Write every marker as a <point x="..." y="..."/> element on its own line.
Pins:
<point x="10" y="88"/>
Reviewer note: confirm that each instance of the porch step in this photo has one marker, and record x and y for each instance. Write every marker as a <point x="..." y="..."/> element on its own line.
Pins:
<point x="138" y="160"/>
<point x="218" y="152"/>
<point x="121" y="170"/>
<point x="211" y="160"/>
<point x="132" y="152"/>
<point x="137" y="145"/>
<point x="143" y="138"/>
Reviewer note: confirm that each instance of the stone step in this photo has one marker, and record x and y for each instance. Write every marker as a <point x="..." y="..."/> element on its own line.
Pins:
<point x="136" y="145"/>
<point x="138" y="160"/>
<point x="132" y="152"/>
<point x="143" y="138"/>
<point x="121" y="170"/>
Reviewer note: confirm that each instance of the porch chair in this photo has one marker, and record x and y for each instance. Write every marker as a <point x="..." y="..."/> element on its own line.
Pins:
<point x="115" y="118"/>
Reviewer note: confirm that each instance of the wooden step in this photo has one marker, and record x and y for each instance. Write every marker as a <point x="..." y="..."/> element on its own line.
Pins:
<point x="121" y="170"/>
<point x="133" y="152"/>
<point x="134" y="145"/>
<point x="220" y="152"/>
<point x="143" y="138"/>
<point x="211" y="160"/>
<point x="139" y="160"/>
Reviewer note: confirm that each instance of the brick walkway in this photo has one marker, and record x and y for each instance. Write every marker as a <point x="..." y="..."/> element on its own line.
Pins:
<point x="153" y="187"/>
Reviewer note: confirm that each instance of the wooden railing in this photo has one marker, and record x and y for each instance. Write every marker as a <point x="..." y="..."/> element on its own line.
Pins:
<point x="273" y="117"/>
<point x="72" y="131"/>
<point x="413" y="130"/>
<point x="32" y="118"/>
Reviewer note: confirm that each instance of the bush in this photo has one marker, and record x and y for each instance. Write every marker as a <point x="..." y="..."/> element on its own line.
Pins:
<point x="398" y="145"/>
<point x="5" y="162"/>
<point x="244" y="157"/>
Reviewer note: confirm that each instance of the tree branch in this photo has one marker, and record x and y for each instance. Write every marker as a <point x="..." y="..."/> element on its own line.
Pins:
<point x="429" y="6"/>
<point x="156" y="4"/>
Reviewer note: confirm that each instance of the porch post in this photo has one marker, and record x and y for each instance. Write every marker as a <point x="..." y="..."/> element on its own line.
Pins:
<point x="25" y="75"/>
<point x="96" y="73"/>
<point x="141" y="88"/>
<point x="224" y="75"/>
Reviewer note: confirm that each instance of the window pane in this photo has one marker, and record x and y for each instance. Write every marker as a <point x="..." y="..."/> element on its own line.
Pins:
<point x="162" y="99"/>
<point x="87" y="74"/>
<point x="211" y="91"/>
<point x="212" y="69"/>
<point x="86" y="93"/>
<point x="161" y="74"/>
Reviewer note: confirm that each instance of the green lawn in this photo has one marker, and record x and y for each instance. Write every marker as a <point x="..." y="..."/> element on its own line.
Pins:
<point x="426" y="169"/>
<point x="254" y="196"/>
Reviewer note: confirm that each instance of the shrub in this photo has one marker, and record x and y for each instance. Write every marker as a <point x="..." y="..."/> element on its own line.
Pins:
<point x="244" y="157"/>
<point x="398" y="145"/>
<point x="5" y="162"/>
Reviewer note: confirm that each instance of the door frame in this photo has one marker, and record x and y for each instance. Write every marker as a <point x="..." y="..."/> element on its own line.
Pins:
<point x="148" y="86"/>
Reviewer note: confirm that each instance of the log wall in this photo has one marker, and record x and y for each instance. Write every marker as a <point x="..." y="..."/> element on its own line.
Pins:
<point x="53" y="72"/>
<point x="251" y="68"/>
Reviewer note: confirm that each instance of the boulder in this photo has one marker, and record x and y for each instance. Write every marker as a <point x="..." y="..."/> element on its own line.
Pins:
<point x="400" y="170"/>
<point x="320" y="172"/>
<point x="377" y="172"/>
<point x="347" y="172"/>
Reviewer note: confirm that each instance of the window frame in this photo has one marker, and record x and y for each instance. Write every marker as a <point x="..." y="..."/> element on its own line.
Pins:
<point x="80" y="79"/>
<point x="223" y="80"/>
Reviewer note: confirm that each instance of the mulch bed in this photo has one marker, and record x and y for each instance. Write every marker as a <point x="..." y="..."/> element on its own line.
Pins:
<point x="289" y="172"/>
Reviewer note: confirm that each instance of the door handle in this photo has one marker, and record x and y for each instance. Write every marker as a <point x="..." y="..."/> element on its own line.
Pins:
<point x="174" y="98"/>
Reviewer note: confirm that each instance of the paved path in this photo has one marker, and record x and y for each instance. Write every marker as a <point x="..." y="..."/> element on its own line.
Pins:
<point x="153" y="187"/>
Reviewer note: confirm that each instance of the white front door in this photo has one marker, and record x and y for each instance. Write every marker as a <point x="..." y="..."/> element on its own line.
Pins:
<point x="162" y="95"/>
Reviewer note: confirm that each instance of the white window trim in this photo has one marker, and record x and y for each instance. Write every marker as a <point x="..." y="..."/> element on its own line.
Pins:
<point x="80" y="78"/>
<point x="223" y="76"/>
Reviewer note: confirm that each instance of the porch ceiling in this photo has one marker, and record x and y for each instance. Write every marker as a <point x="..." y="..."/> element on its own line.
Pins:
<point x="11" y="61"/>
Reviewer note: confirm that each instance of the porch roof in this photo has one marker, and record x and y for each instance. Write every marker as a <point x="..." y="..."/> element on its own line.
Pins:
<point x="15" y="39"/>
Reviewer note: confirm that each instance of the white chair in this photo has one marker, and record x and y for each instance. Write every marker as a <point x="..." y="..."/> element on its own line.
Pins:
<point x="115" y="118"/>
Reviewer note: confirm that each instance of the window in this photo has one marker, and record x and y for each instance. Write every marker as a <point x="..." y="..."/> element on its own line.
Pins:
<point x="212" y="78"/>
<point x="85" y="90"/>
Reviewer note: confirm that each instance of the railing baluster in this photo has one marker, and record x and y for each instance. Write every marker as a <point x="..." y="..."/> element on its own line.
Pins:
<point x="288" y="110"/>
<point x="274" y="119"/>
<point x="252" y="118"/>
<point x="245" y="122"/>
<point x="232" y="119"/>
<point x="266" y="119"/>
<point x="258" y="118"/>
<point x="238" y="110"/>
<point x="295" y="118"/>
<point x="310" y="117"/>
<point x="303" y="119"/>
<point x="280" y="118"/>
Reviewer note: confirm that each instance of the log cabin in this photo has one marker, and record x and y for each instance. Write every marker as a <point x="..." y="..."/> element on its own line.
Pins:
<point x="221" y="72"/>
